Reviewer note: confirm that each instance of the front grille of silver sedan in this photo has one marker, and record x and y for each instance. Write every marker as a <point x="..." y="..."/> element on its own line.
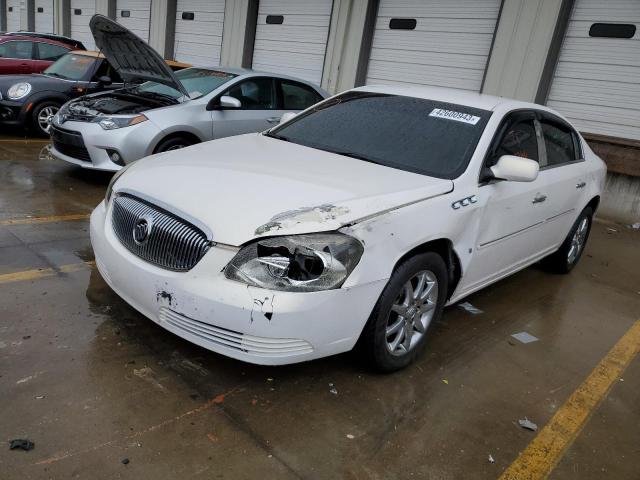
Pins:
<point x="157" y="236"/>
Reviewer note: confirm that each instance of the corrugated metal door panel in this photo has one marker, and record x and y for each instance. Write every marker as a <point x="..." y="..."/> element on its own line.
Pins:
<point x="44" y="18"/>
<point x="81" y="13"/>
<point x="449" y="45"/>
<point x="596" y="83"/>
<point x="297" y="45"/>
<point x="13" y="15"/>
<point x="134" y="15"/>
<point x="199" y="31"/>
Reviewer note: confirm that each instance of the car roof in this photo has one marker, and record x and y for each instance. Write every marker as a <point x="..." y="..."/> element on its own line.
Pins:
<point x="42" y="37"/>
<point x="452" y="95"/>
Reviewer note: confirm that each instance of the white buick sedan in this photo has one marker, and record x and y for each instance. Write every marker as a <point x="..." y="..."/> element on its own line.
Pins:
<point x="351" y="224"/>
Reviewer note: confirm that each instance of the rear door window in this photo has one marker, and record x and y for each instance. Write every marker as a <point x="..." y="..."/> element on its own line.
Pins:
<point x="297" y="96"/>
<point x="49" y="52"/>
<point x="559" y="143"/>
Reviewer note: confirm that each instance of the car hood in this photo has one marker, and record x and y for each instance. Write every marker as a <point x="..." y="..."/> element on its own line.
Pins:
<point x="252" y="185"/>
<point x="131" y="56"/>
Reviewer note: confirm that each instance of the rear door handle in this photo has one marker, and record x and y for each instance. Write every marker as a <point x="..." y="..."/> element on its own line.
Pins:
<point x="539" y="198"/>
<point x="273" y="119"/>
<point x="581" y="185"/>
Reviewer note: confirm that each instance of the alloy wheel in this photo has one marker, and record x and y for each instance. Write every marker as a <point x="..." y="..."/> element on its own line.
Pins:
<point x="578" y="240"/>
<point x="411" y="313"/>
<point x="44" y="118"/>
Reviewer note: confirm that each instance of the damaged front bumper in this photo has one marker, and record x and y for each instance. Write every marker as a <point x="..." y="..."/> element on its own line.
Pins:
<point x="247" y="323"/>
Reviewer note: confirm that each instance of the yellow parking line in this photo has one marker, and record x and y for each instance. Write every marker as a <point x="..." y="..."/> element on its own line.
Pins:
<point x="547" y="448"/>
<point x="53" y="218"/>
<point x="38" y="273"/>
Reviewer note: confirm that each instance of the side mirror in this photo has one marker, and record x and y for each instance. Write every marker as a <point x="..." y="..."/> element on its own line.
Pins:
<point x="105" y="80"/>
<point x="286" y="117"/>
<point x="515" y="169"/>
<point x="229" y="102"/>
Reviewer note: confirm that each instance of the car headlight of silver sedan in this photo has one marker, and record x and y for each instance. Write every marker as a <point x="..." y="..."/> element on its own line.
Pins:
<point x="297" y="263"/>
<point x="112" y="123"/>
<point x="19" y="90"/>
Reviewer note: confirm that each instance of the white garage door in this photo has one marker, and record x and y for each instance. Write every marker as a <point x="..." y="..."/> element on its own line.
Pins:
<point x="13" y="15"/>
<point x="291" y="37"/>
<point x="199" y="32"/>
<point x="44" y="16"/>
<point x="81" y="13"/>
<point x="440" y="43"/>
<point x="135" y="15"/>
<point x="597" y="79"/>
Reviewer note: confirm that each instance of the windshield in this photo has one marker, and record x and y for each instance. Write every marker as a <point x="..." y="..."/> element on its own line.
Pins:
<point x="196" y="81"/>
<point x="71" y="67"/>
<point x="412" y="134"/>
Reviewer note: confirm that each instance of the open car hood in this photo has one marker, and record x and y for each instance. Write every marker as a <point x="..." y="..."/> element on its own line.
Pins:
<point x="131" y="56"/>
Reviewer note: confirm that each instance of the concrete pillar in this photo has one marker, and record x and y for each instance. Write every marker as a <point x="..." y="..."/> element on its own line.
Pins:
<point x="163" y="26"/>
<point x="525" y="34"/>
<point x="238" y="32"/>
<point x="3" y="15"/>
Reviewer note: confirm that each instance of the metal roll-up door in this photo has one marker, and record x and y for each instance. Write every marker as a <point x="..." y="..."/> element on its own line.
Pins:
<point x="198" y="37"/>
<point x="13" y="15"/>
<point x="81" y="13"/>
<point x="135" y="15"/>
<point x="596" y="83"/>
<point x="291" y="37"/>
<point x="45" y="11"/>
<point x="436" y="43"/>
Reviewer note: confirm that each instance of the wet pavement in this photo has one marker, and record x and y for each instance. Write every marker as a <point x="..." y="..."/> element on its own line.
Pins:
<point x="93" y="383"/>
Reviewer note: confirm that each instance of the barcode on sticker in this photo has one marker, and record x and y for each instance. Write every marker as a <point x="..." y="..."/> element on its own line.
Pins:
<point x="457" y="116"/>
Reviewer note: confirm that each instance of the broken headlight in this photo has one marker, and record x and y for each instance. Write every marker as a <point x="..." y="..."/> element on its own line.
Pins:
<point x="112" y="123"/>
<point x="297" y="263"/>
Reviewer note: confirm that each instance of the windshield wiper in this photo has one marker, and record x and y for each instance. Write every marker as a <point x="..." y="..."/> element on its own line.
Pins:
<point x="277" y="137"/>
<point x="355" y="155"/>
<point x="54" y="74"/>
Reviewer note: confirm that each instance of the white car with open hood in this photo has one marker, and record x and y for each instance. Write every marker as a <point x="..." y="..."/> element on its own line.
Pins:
<point x="353" y="223"/>
<point x="107" y="130"/>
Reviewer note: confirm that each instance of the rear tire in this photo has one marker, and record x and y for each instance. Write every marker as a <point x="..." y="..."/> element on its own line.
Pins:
<point x="569" y="253"/>
<point x="40" y="116"/>
<point x="173" y="143"/>
<point x="408" y="307"/>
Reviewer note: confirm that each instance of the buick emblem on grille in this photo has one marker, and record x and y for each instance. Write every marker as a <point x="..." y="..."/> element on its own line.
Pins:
<point x="142" y="230"/>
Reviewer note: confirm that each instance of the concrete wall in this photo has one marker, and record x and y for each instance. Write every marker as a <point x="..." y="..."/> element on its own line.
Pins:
<point x="234" y="33"/>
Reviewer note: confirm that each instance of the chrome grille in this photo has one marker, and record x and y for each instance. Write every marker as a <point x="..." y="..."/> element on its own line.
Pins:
<point x="157" y="236"/>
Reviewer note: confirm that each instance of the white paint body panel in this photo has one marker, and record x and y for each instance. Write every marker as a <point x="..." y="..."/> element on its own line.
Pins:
<point x="199" y="41"/>
<point x="232" y="187"/>
<point x="139" y="16"/>
<point x="45" y="19"/>
<point x="449" y="47"/>
<point x="597" y="80"/>
<point x="81" y="13"/>
<point x="298" y="45"/>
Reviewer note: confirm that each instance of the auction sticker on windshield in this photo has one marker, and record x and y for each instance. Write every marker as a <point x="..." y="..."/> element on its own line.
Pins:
<point x="457" y="116"/>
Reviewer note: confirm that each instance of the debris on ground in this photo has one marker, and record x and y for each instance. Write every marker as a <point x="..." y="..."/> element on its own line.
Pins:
<point x="39" y="397"/>
<point x="525" y="337"/>
<point x="491" y="460"/>
<point x="350" y="437"/>
<point x="445" y="381"/>
<point x="528" y="424"/>
<point x="332" y="389"/>
<point x="635" y="226"/>
<point x="470" y="308"/>
<point x="21" y="444"/>
<point x="611" y="230"/>
<point x="125" y="461"/>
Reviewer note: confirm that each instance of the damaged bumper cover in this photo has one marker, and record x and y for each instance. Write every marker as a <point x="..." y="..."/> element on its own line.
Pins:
<point x="247" y="323"/>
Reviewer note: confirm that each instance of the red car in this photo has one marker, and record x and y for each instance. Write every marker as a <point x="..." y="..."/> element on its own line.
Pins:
<point x="26" y="52"/>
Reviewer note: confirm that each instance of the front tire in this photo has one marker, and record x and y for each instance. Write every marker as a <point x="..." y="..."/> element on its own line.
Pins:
<point x="409" y="306"/>
<point x="41" y="115"/>
<point x="173" y="143"/>
<point x="569" y="253"/>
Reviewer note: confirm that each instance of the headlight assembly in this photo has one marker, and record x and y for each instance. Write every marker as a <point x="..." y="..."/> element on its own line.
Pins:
<point x="113" y="181"/>
<point x="18" y="91"/>
<point x="297" y="263"/>
<point x="112" y="123"/>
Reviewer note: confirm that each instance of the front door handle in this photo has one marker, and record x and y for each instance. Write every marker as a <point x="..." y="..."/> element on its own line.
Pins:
<point x="581" y="185"/>
<point x="273" y="119"/>
<point x="539" y="198"/>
